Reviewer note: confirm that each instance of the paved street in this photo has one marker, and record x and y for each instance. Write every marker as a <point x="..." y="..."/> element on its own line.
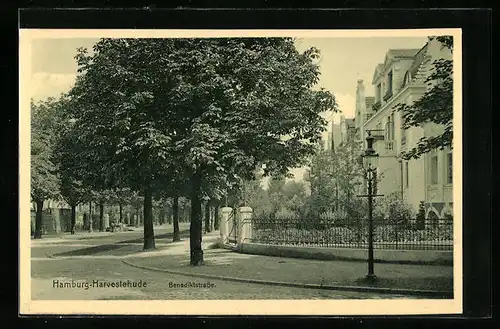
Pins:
<point x="99" y="257"/>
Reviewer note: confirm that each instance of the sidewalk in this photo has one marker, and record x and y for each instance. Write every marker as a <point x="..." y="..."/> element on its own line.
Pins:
<point x="85" y="235"/>
<point x="347" y="275"/>
<point x="173" y="257"/>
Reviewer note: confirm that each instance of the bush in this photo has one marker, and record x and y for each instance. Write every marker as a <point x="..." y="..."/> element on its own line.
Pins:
<point x="284" y="213"/>
<point x="392" y="209"/>
<point x="421" y="216"/>
<point x="334" y="217"/>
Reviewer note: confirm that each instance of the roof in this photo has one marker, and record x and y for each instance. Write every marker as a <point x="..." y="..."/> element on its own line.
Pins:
<point x="403" y="53"/>
<point x="419" y="58"/>
<point x="394" y="53"/>
<point x="378" y="68"/>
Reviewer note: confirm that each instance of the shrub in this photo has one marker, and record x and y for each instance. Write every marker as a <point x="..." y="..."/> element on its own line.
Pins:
<point x="421" y="216"/>
<point x="284" y="213"/>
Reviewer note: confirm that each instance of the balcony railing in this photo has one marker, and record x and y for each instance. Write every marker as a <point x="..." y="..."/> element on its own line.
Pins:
<point x="389" y="146"/>
<point x="376" y="106"/>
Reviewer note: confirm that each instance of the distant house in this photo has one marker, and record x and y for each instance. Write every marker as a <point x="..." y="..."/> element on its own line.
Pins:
<point x="401" y="79"/>
<point x="56" y="216"/>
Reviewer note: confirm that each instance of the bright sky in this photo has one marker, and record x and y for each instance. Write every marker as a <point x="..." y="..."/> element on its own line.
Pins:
<point x="343" y="62"/>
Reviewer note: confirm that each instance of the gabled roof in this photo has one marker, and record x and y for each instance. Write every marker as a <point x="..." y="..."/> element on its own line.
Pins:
<point x="378" y="68"/>
<point x="403" y="53"/>
<point x="419" y="58"/>
<point x="394" y="54"/>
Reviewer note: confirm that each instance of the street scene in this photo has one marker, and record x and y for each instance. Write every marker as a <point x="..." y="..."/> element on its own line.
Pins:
<point x="242" y="168"/>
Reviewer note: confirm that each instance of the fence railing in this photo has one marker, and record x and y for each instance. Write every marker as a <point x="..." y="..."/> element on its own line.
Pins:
<point x="388" y="234"/>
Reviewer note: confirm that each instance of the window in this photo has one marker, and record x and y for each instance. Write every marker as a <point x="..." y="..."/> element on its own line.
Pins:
<point x="403" y="136"/>
<point x="449" y="171"/>
<point x="393" y="126"/>
<point x="434" y="170"/>
<point x="379" y="92"/>
<point x="389" y="83"/>
<point x="390" y="127"/>
<point x="407" y="176"/>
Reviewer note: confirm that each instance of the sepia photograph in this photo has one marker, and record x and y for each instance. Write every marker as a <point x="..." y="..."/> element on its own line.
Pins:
<point x="244" y="172"/>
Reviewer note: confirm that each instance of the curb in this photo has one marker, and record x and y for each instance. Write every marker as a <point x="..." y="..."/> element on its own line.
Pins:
<point x="328" y="254"/>
<point x="413" y="292"/>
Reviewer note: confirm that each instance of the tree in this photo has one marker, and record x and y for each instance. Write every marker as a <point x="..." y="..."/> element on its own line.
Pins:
<point x="248" y="102"/>
<point x="120" y="95"/>
<point x="44" y="179"/>
<point x="104" y="197"/>
<point x="216" y="107"/>
<point x="72" y="190"/>
<point x="335" y="177"/>
<point x="286" y="195"/>
<point x="435" y="106"/>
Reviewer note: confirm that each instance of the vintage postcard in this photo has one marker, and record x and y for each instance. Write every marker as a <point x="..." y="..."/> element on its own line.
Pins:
<point x="240" y="172"/>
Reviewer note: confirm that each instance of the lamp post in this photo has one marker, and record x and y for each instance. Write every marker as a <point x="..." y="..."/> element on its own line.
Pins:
<point x="370" y="162"/>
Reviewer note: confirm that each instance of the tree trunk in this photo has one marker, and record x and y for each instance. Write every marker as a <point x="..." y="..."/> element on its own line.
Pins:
<point x="91" y="222"/>
<point x="137" y="210"/>
<point x="207" y="218"/>
<point x="101" y="217"/>
<point x="195" y="229"/>
<point x="121" y="213"/>
<point x="149" y="236"/>
<point x="38" y="220"/>
<point x="73" y="218"/>
<point x="175" y="210"/>
<point x="216" y="218"/>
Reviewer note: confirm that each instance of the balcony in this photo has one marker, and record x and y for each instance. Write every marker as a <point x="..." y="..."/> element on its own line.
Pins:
<point x="403" y="140"/>
<point x="376" y="106"/>
<point x="389" y="145"/>
<point x="388" y="95"/>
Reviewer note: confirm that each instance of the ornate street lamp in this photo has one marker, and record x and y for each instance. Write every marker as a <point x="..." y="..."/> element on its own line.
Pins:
<point x="370" y="163"/>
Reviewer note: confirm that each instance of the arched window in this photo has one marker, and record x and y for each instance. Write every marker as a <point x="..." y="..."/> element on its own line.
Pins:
<point x="432" y="215"/>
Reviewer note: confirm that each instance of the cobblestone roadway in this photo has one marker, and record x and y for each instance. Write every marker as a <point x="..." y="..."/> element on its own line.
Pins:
<point x="45" y="271"/>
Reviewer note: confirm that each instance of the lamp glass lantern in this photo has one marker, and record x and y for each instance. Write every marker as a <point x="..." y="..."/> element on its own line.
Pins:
<point x="370" y="157"/>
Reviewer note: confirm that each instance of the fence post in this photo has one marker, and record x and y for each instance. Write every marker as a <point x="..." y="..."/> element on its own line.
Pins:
<point x="244" y="225"/>
<point x="224" y="224"/>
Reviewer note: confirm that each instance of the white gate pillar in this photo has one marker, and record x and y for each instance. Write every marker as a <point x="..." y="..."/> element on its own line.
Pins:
<point x="224" y="224"/>
<point x="244" y="225"/>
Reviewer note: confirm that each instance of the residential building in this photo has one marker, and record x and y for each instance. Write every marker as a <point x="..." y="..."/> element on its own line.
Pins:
<point x="401" y="79"/>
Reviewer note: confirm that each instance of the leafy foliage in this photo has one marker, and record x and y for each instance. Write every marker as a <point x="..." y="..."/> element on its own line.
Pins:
<point x="44" y="180"/>
<point x="335" y="179"/>
<point x="73" y="191"/>
<point x="208" y="110"/>
<point x="435" y="106"/>
<point x="392" y="207"/>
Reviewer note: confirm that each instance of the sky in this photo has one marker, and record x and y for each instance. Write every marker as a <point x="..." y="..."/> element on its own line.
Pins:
<point x="343" y="61"/>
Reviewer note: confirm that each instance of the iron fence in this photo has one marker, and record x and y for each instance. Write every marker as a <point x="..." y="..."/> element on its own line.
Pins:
<point x="388" y="234"/>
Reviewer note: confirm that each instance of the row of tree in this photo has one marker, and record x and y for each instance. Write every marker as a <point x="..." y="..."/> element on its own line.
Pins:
<point x="170" y="118"/>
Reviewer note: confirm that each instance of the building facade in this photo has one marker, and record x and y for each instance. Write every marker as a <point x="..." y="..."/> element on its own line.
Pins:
<point x="401" y="79"/>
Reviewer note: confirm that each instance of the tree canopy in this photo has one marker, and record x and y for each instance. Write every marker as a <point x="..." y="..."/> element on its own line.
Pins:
<point x="209" y="110"/>
<point x="44" y="179"/>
